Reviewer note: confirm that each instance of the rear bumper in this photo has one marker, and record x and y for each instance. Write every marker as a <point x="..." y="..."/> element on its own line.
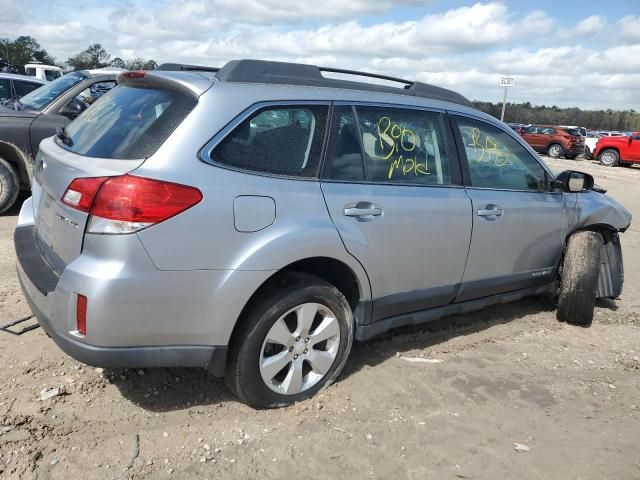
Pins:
<point x="213" y="358"/>
<point x="137" y="315"/>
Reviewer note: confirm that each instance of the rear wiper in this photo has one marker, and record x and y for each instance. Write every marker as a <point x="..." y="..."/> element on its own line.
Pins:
<point x="61" y="133"/>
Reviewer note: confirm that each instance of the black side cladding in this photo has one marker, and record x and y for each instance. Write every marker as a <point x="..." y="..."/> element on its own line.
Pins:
<point x="611" y="276"/>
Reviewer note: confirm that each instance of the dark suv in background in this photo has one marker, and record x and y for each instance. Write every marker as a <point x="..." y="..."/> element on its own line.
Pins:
<point x="26" y="121"/>
<point x="554" y="141"/>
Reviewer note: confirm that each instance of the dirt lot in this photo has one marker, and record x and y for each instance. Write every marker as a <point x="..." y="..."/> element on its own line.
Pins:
<point x="509" y="374"/>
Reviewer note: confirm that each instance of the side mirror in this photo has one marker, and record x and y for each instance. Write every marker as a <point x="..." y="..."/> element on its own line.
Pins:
<point x="573" y="181"/>
<point x="72" y="109"/>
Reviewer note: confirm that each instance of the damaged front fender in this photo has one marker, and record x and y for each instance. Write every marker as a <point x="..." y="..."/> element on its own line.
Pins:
<point x="594" y="209"/>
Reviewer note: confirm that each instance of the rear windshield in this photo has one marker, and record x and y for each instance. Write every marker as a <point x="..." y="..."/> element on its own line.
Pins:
<point x="43" y="96"/>
<point x="127" y="122"/>
<point x="573" y="131"/>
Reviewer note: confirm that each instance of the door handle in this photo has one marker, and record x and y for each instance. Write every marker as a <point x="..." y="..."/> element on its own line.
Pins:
<point x="490" y="211"/>
<point x="363" y="211"/>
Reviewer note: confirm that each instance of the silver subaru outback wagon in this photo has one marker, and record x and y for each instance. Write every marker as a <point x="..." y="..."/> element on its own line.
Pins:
<point x="254" y="220"/>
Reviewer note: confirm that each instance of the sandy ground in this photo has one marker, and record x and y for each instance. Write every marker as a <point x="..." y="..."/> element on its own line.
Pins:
<point x="509" y="374"/>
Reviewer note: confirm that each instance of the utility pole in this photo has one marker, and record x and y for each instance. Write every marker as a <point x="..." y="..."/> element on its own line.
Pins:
<point x="505" y="82"/>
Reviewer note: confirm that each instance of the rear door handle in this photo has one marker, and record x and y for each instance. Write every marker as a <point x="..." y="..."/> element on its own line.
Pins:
<point x="490" y="211"/>
<point x="363" y="211"/>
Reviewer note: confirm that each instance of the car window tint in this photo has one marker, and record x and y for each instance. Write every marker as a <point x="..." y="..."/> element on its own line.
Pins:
<point x="497" y="160"/>
<point x="548" y="131"/>
<point x="5" y="89"/>
<point x="404" y="146"/>
<point x="22" y="88"/>
<point x="277" y="140"/>
<point x="344" y="160"/>
<point x="128" y="122"/>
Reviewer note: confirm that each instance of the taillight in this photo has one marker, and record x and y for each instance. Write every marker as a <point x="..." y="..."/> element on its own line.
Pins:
<point x="81" y="314"/>
<point x="81" y="191"/>
<point x="127" y="203"/>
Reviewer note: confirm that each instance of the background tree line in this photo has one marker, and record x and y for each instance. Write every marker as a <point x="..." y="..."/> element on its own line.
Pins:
<point x="25" y="49"/>
<point x="622" y="120"/>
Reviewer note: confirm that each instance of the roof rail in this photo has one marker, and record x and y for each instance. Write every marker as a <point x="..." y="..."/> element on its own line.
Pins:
<point x="261" y="71"/>
<point x="181" y="67"/>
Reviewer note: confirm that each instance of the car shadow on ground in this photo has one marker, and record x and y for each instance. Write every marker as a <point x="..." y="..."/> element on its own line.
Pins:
<point x="169" y="389"/>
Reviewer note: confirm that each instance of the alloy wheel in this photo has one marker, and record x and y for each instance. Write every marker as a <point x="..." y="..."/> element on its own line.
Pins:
<point x="300" y="349"/>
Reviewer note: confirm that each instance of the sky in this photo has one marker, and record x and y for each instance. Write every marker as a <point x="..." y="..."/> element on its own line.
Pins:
<point x="564" y="53"/>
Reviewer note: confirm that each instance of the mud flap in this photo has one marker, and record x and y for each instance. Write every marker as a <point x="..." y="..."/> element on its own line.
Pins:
<point x="611" y="275"/>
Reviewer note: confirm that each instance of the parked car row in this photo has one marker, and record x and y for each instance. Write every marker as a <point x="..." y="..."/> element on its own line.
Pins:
<point x="611" y="148"/>
<point x="25" y="121"/>
<point x="256" y="219"/>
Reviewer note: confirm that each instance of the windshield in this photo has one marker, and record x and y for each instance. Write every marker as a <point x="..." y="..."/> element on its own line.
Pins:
<point x="43" y="96"/>
<point x="127" y="122"/>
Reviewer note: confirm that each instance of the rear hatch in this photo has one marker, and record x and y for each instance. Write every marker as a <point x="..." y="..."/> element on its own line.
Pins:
<point x="111" y="138"/>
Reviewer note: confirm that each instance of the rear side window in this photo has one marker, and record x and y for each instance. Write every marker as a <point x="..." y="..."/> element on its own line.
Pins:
<point x="128" y="122"/>
<point x="404" y="146"/>
<point x="5" y="89"/>
<point x="277" y="140"/>
<point x="51" y="75"/>
<point x="22" y="88"/>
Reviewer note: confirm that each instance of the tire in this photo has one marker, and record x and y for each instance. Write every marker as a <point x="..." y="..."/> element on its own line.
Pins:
<point x="579" y="278"/>
<point x="9" y="186"/>
<point x="587" y="153"/>
<point x="609" y="157"/>
<point x="555" y="150"/>
<point x="249" y="373"/>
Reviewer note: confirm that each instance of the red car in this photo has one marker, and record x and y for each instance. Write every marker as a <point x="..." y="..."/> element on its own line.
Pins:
<point x="612" y="151"/>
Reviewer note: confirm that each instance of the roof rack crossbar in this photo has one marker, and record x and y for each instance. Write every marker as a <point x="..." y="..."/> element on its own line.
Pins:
<point x="366" y="74"/>
<point x="183" y="67"/>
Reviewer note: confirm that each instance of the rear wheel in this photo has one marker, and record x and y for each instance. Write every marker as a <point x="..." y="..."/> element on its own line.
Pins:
<point x="554" y="150"/>
<point x="9" y="186"/>
<point x="579" y="278"/>
<point x="609" y="158"/>
<point x="292" y="343"/>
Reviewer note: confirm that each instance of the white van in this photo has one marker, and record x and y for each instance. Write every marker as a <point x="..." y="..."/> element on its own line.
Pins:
<point x="42" y="71"/>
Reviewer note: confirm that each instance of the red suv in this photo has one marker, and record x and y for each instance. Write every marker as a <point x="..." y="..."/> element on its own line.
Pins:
<point x="554" y="141"/>
<point x="612" y="151"/>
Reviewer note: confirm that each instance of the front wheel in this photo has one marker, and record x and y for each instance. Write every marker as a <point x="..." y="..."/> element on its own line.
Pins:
<point x="609" y="158"/>
<point x="579" y="278"/>
<point x="293" y="342"/>
<point x="554" y="150"/>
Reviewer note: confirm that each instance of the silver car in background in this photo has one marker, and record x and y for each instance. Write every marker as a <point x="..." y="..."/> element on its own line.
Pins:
<point x="255" y="219"/>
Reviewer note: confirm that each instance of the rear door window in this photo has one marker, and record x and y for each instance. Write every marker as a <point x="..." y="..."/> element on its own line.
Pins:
<point x="404" y="146"/>
<point x="282" y="140"/>
<point x="128" y="122"/>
